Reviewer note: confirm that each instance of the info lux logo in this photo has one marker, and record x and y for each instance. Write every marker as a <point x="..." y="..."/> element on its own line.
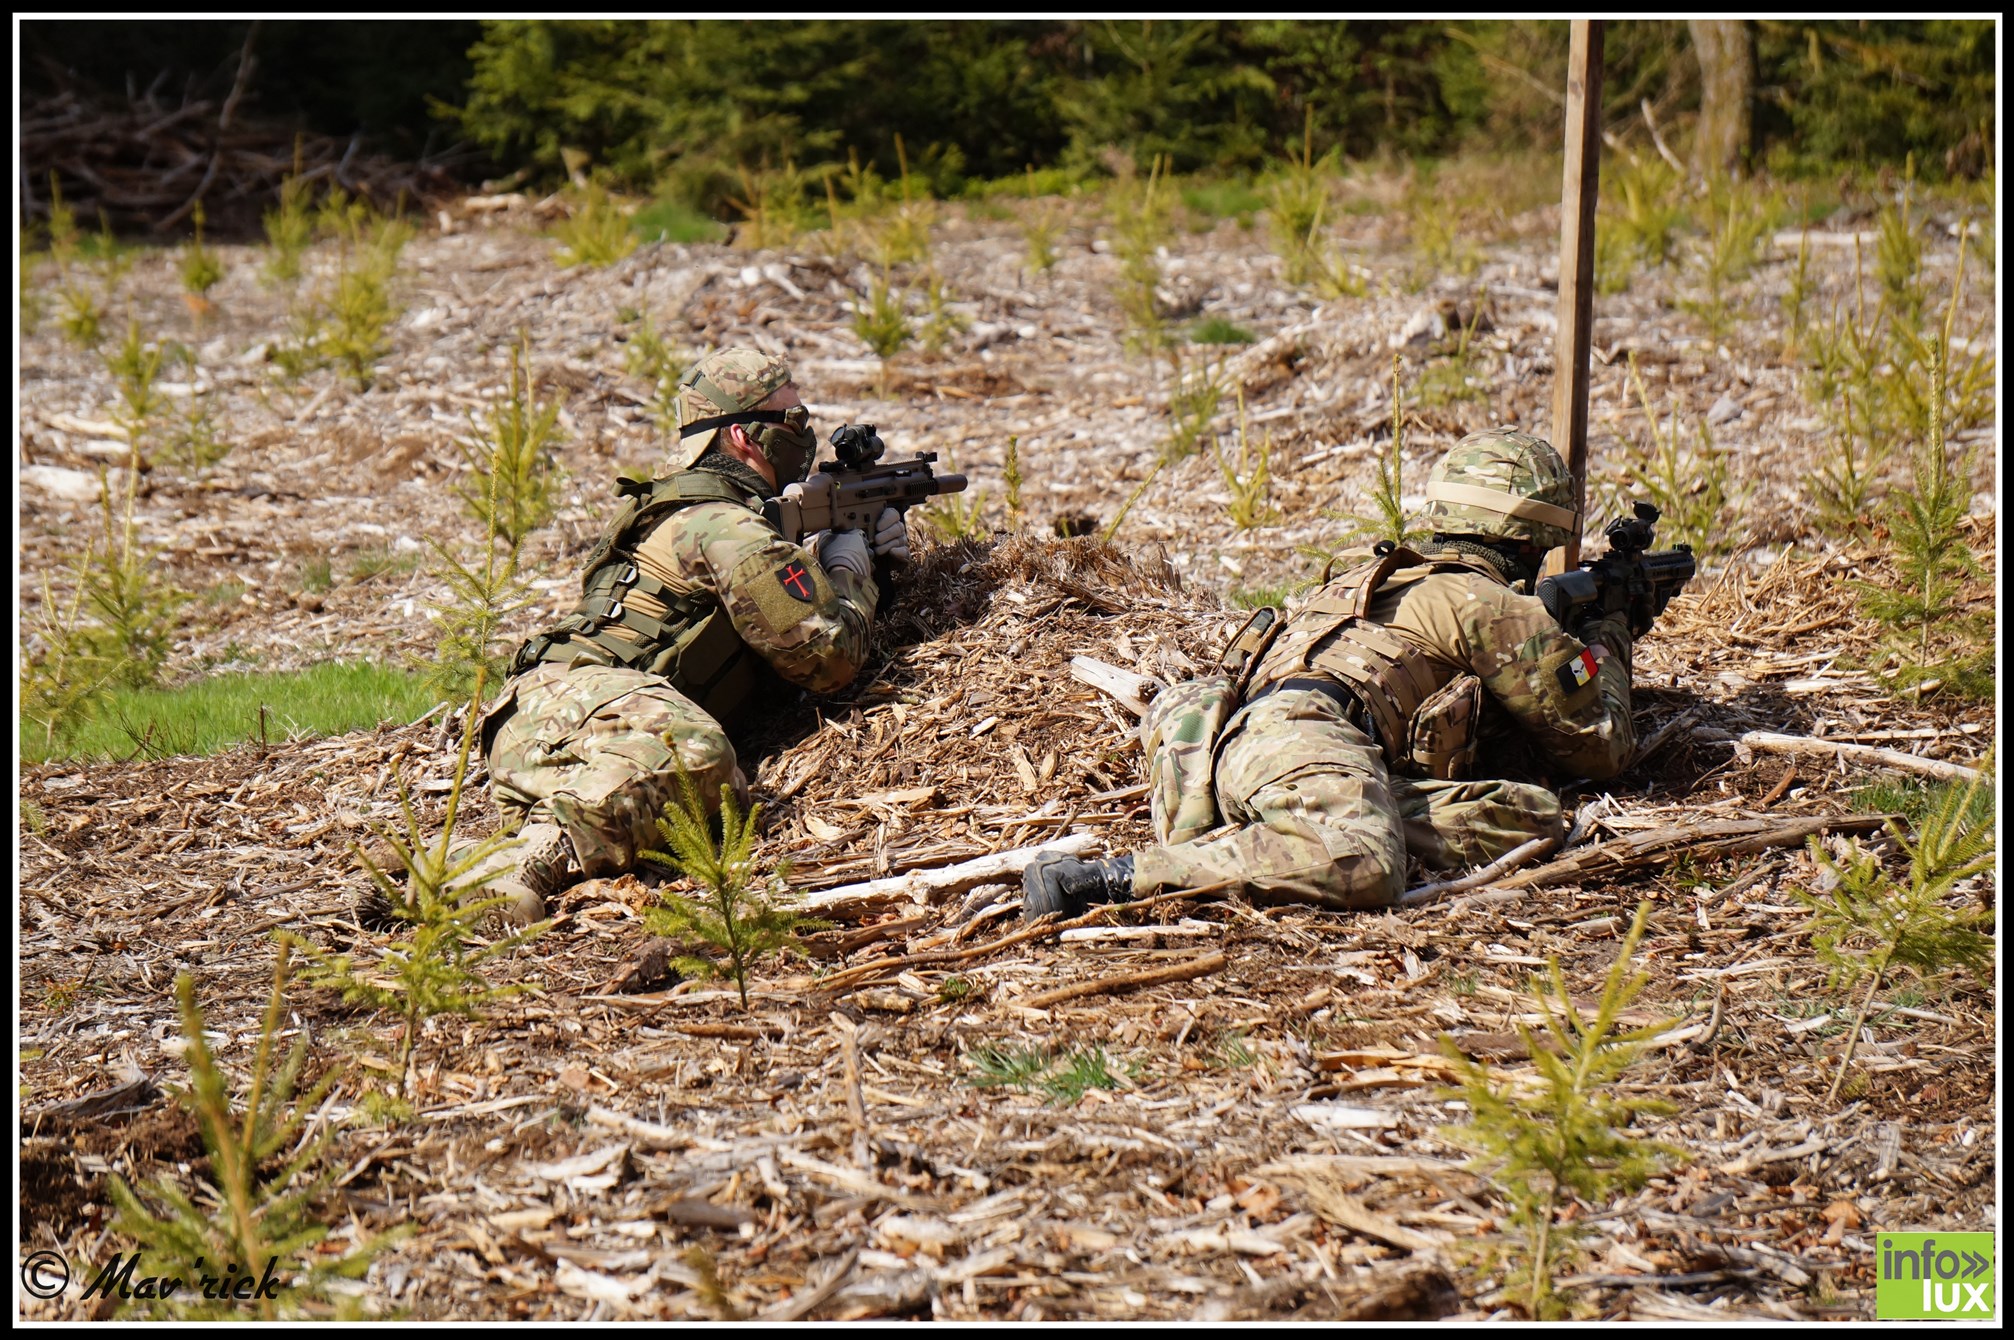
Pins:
<point x="1920" y="1276"/>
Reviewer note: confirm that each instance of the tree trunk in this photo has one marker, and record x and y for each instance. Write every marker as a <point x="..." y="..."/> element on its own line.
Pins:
<point x="1726" y="51"/>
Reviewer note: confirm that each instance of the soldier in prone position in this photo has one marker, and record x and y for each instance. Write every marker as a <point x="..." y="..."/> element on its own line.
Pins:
<point x="693" y="608"/>
<point x="1348" y="735"/>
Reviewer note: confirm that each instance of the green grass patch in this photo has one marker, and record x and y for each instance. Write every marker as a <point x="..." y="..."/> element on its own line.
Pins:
<point x="1038" y="181"/>
<point x="212" y="714"/>
<point x="670" y="219"/>
<point x="1224" y="200"/>
<point x="1257" y="597"/>
<point x="1217" y="330"/>
<point x="368" y="563"/>
<point x="224" y="592"/>
<point x="1064" y="1078"/>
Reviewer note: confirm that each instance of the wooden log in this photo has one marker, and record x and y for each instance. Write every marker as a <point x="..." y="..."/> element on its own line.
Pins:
<point x="923" y="886"/>
<point x="1576" y="259"/>
<point x="1175" y="972"/>
<point x="1132" y="691"/>
<point x="1771" y="743"/>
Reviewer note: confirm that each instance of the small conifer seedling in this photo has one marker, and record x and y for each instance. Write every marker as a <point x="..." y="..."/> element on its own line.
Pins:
<point x="509" y="452"/>
<point x="432" y="965"/>
<point x="1568" y="1136"/>
<point x="1869" y="921"/>
<point x="737" y="911"/>
<point x="267" y="1165"/>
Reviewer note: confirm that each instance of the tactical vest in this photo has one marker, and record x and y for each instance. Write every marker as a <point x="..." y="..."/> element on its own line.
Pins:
<point x="1424" y="711"/>
<point x="693" y="645"/>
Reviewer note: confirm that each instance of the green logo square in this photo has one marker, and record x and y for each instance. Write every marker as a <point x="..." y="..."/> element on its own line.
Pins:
<point x="1934" y="1276"/>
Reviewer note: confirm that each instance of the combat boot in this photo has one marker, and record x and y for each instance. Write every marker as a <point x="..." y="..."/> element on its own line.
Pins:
<point x="534" y="869"/>
<point x="1054" y="882"/>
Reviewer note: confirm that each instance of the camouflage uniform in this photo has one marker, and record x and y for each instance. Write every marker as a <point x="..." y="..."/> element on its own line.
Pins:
<point x="1317" y="811"/>
<point x="595" y="745"/>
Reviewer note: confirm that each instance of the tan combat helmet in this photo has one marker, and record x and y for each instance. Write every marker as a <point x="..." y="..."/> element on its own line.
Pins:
<point x="725" y="383"/>
<point x="1505" y="484"/>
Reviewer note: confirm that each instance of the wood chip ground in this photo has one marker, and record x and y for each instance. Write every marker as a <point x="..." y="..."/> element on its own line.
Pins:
<point x="1275" y="1147"/>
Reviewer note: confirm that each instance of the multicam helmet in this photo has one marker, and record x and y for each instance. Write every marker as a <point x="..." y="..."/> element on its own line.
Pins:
<point x="723" y="385"/>
<point x="1502" y="483"/>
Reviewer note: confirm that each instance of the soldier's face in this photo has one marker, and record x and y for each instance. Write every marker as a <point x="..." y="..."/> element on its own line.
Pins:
<point x="780" y="453"/>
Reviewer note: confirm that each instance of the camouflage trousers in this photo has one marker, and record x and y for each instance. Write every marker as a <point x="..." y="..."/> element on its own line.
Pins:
<point x="1313" y="815"/>
<point x="597" y="749"/>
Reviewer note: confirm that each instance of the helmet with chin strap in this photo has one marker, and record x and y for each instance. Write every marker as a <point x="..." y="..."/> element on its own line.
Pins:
<point x="727" y="387"/>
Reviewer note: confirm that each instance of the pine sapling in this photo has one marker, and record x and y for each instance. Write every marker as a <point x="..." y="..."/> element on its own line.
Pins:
<point x="1194" y="395"/>
<point x="1388" y="494"/>
<point x="1042" y="227"/>
<point x="441" y="905"/>
<point x="510" y="455"/>
<point x="942" y="322"/>
<point x="595" y="231"/>
<point x="737" y="910"/>
<point x="1248" y="481"/>
<point x="1932" y="639"/>
<point x="201" y="270"/>
<point x="1017" y="515"/>
<point x="1567" y="1137"/>
<point x="1691" y="488"/>
<point x="881" y="320"/>
<point x="290" y="229"/>
<point x="649" y="355"/>
<point x="134" y="610"/>
<point x="267" y="1166"/>
<point x="66" y="666"/>
<point x="479" y="603"/>
<point x="1869" y="921"/>
<point x="955" y="516"/>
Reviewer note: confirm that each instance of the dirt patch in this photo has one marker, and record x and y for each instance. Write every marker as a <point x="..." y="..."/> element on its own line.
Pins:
<point x="64" y="1164"/>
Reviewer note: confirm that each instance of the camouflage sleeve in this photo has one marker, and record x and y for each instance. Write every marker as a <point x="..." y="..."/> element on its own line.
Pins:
<point x="812" y="626"/>
<point x="1575" y="709"/>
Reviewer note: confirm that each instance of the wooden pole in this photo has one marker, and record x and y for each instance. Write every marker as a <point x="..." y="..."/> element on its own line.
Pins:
<point x="1576" y="261"/>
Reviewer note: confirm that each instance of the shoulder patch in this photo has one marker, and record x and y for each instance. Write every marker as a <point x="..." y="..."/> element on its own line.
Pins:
<point x="1577" y="673"/>
<point x="795" y="579"/>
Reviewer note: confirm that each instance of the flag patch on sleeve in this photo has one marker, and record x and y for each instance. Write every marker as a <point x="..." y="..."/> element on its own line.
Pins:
<point x="1579" y="672"/>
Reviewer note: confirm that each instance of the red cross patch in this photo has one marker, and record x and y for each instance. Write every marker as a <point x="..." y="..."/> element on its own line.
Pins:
<point x="795" y="579"/>
<point x="1579" y="672"/>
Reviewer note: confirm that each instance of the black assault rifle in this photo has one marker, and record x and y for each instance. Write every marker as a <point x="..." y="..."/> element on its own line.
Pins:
<point x="1628" y="580"/>
<point x="848" y="493"/>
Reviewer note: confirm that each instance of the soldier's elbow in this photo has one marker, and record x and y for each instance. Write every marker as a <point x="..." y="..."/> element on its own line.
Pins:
<point x="827" y="675"/>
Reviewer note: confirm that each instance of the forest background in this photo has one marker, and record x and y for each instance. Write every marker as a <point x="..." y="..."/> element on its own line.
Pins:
<point x="684" y="108"/>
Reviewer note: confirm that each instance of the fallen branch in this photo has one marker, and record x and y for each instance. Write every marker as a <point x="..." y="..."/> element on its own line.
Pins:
<point x="1175" y="972"/>
<point x="1510" y="860"/>
<point x="1771" y="743"/>
<point x="1132" y="691"/>
<point x="923" y="886"/>
<point x="861" y="973"/>
<point x="803" y="1303"/>
<point x="1317" y="1181"/>
<point x="1702" y="841"/>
